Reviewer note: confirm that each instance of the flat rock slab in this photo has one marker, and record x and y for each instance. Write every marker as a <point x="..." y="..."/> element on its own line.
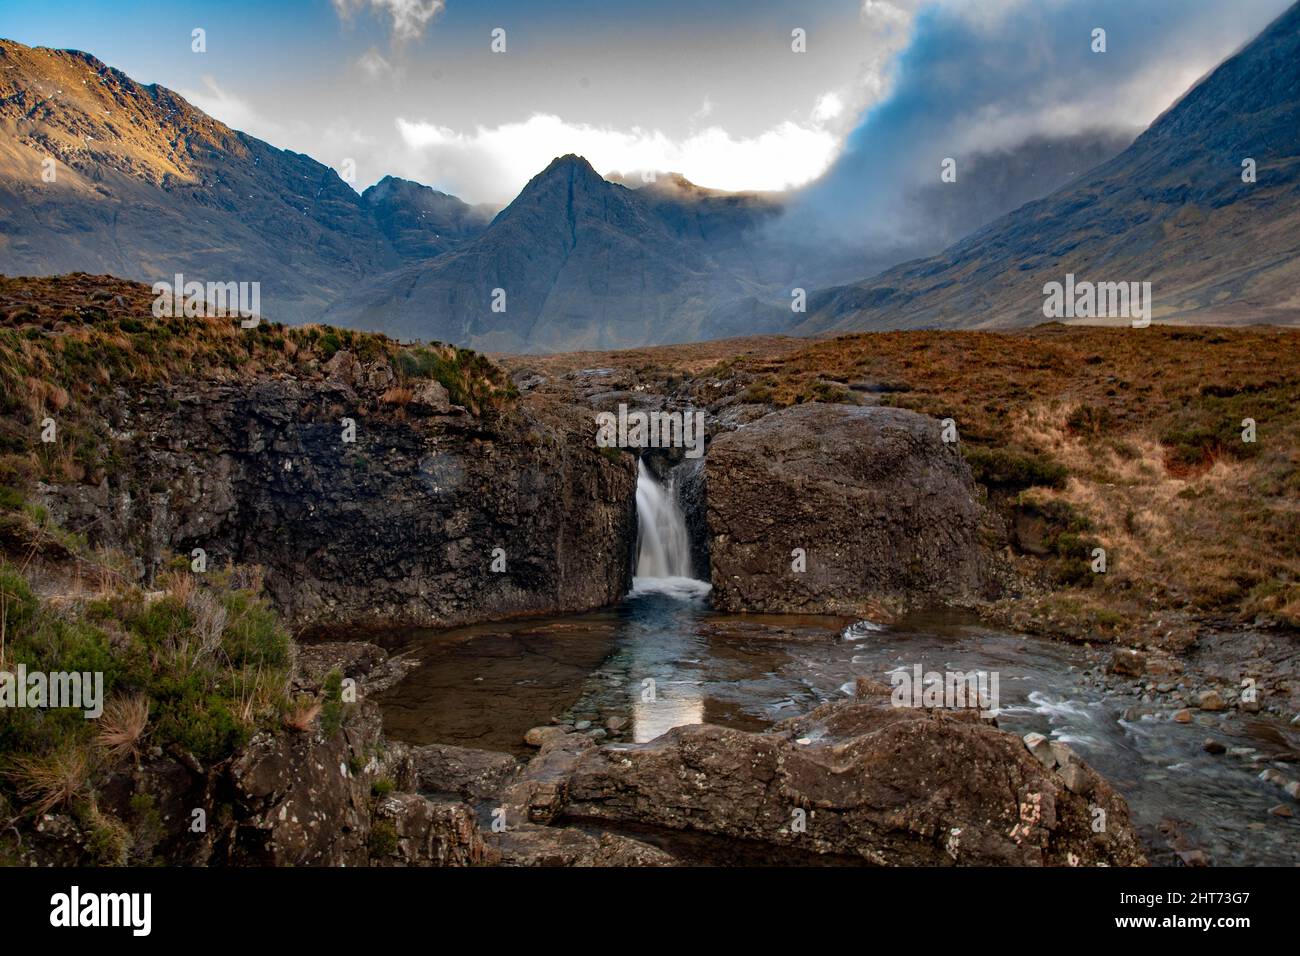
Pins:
<point x="368" y="664"/>
<point x="474" y="775"/>
<point x="532" y="845"/>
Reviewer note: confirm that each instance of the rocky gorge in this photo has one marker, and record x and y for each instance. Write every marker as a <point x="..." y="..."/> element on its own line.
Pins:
<point x="370" y="501"/>
<point x="375" y="501"/>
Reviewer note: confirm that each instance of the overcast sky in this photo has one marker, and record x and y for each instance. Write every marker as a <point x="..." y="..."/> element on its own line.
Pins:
<point x="710" y="89"/>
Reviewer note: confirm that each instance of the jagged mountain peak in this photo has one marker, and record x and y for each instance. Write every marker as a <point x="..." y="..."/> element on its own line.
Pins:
<point x="421" y="222"/>
<point x="567" y="172"/>
<point x="391" y="185"/>
<point x="569" y="191"/>
<point x="583" y="262"/>
<point x="570" y="163"/>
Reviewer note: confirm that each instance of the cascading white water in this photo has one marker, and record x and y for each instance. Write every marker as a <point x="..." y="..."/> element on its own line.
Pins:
<point x="663" y="546"/>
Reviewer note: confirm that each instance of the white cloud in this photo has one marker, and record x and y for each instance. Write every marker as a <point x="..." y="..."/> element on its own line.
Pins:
<point x="884" y="12"/>
<point x="829" y="106"/>
<point x="409" y="17"/>
<point x="888" y="24"/>
<point x="492" y="163"/>
<point x="1129" y="105"/>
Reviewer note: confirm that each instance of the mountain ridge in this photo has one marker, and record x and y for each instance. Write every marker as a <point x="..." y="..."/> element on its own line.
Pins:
<point x="582" y="262"/>
<point x="1171" y="209"/>
<point x="147" y="185"/>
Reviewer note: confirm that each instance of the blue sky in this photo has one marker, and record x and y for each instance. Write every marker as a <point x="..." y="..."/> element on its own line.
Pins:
<point x="711" y="89"/>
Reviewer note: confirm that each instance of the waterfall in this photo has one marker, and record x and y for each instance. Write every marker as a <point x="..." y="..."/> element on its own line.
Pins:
<point x="663" y="546"/>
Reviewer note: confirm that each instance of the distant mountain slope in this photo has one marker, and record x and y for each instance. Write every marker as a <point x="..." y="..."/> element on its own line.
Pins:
<point x="1171" y="209"/>
<point x="146" y="186"/>
<point x="420" y="222"/>
<point x="995" y="182"/>
<point x="583" y="263"/>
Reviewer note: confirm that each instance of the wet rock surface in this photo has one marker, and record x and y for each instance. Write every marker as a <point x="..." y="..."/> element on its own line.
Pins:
<point x="299" y="801"/>
<point x="532" y="845"/>
<point x="473" y="775"/>
<point x="883" y="510"/>
<point x="749" y="672"/>
<point x="852" y="782"/>
<point x="346" y="798"/>
<point x="359" y="660"/>
<point x="427" y="833"/>
<point x="1238" y="688"/>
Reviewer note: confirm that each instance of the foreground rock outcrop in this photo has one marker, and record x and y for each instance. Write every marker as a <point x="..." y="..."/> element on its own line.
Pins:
<point x="841" y="509"/>
<point x="329" y="792"/>
<point x="340" y="796"/>
<point x="852" y="782"/>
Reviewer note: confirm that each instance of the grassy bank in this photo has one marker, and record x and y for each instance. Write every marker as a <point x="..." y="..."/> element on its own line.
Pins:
<point x="199" y="662"/>
<point x="193" y="668"/>
<point x="67" y="342"/>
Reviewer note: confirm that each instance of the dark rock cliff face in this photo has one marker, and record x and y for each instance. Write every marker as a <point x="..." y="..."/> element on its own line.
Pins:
<point x="420" y="222"/>
<point x="882" y="510"/>
<point x="689" y="485"/>
<point x="399" y="527"/>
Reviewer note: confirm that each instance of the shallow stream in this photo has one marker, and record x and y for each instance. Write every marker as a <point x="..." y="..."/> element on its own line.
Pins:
<point x="485" y="686"/>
